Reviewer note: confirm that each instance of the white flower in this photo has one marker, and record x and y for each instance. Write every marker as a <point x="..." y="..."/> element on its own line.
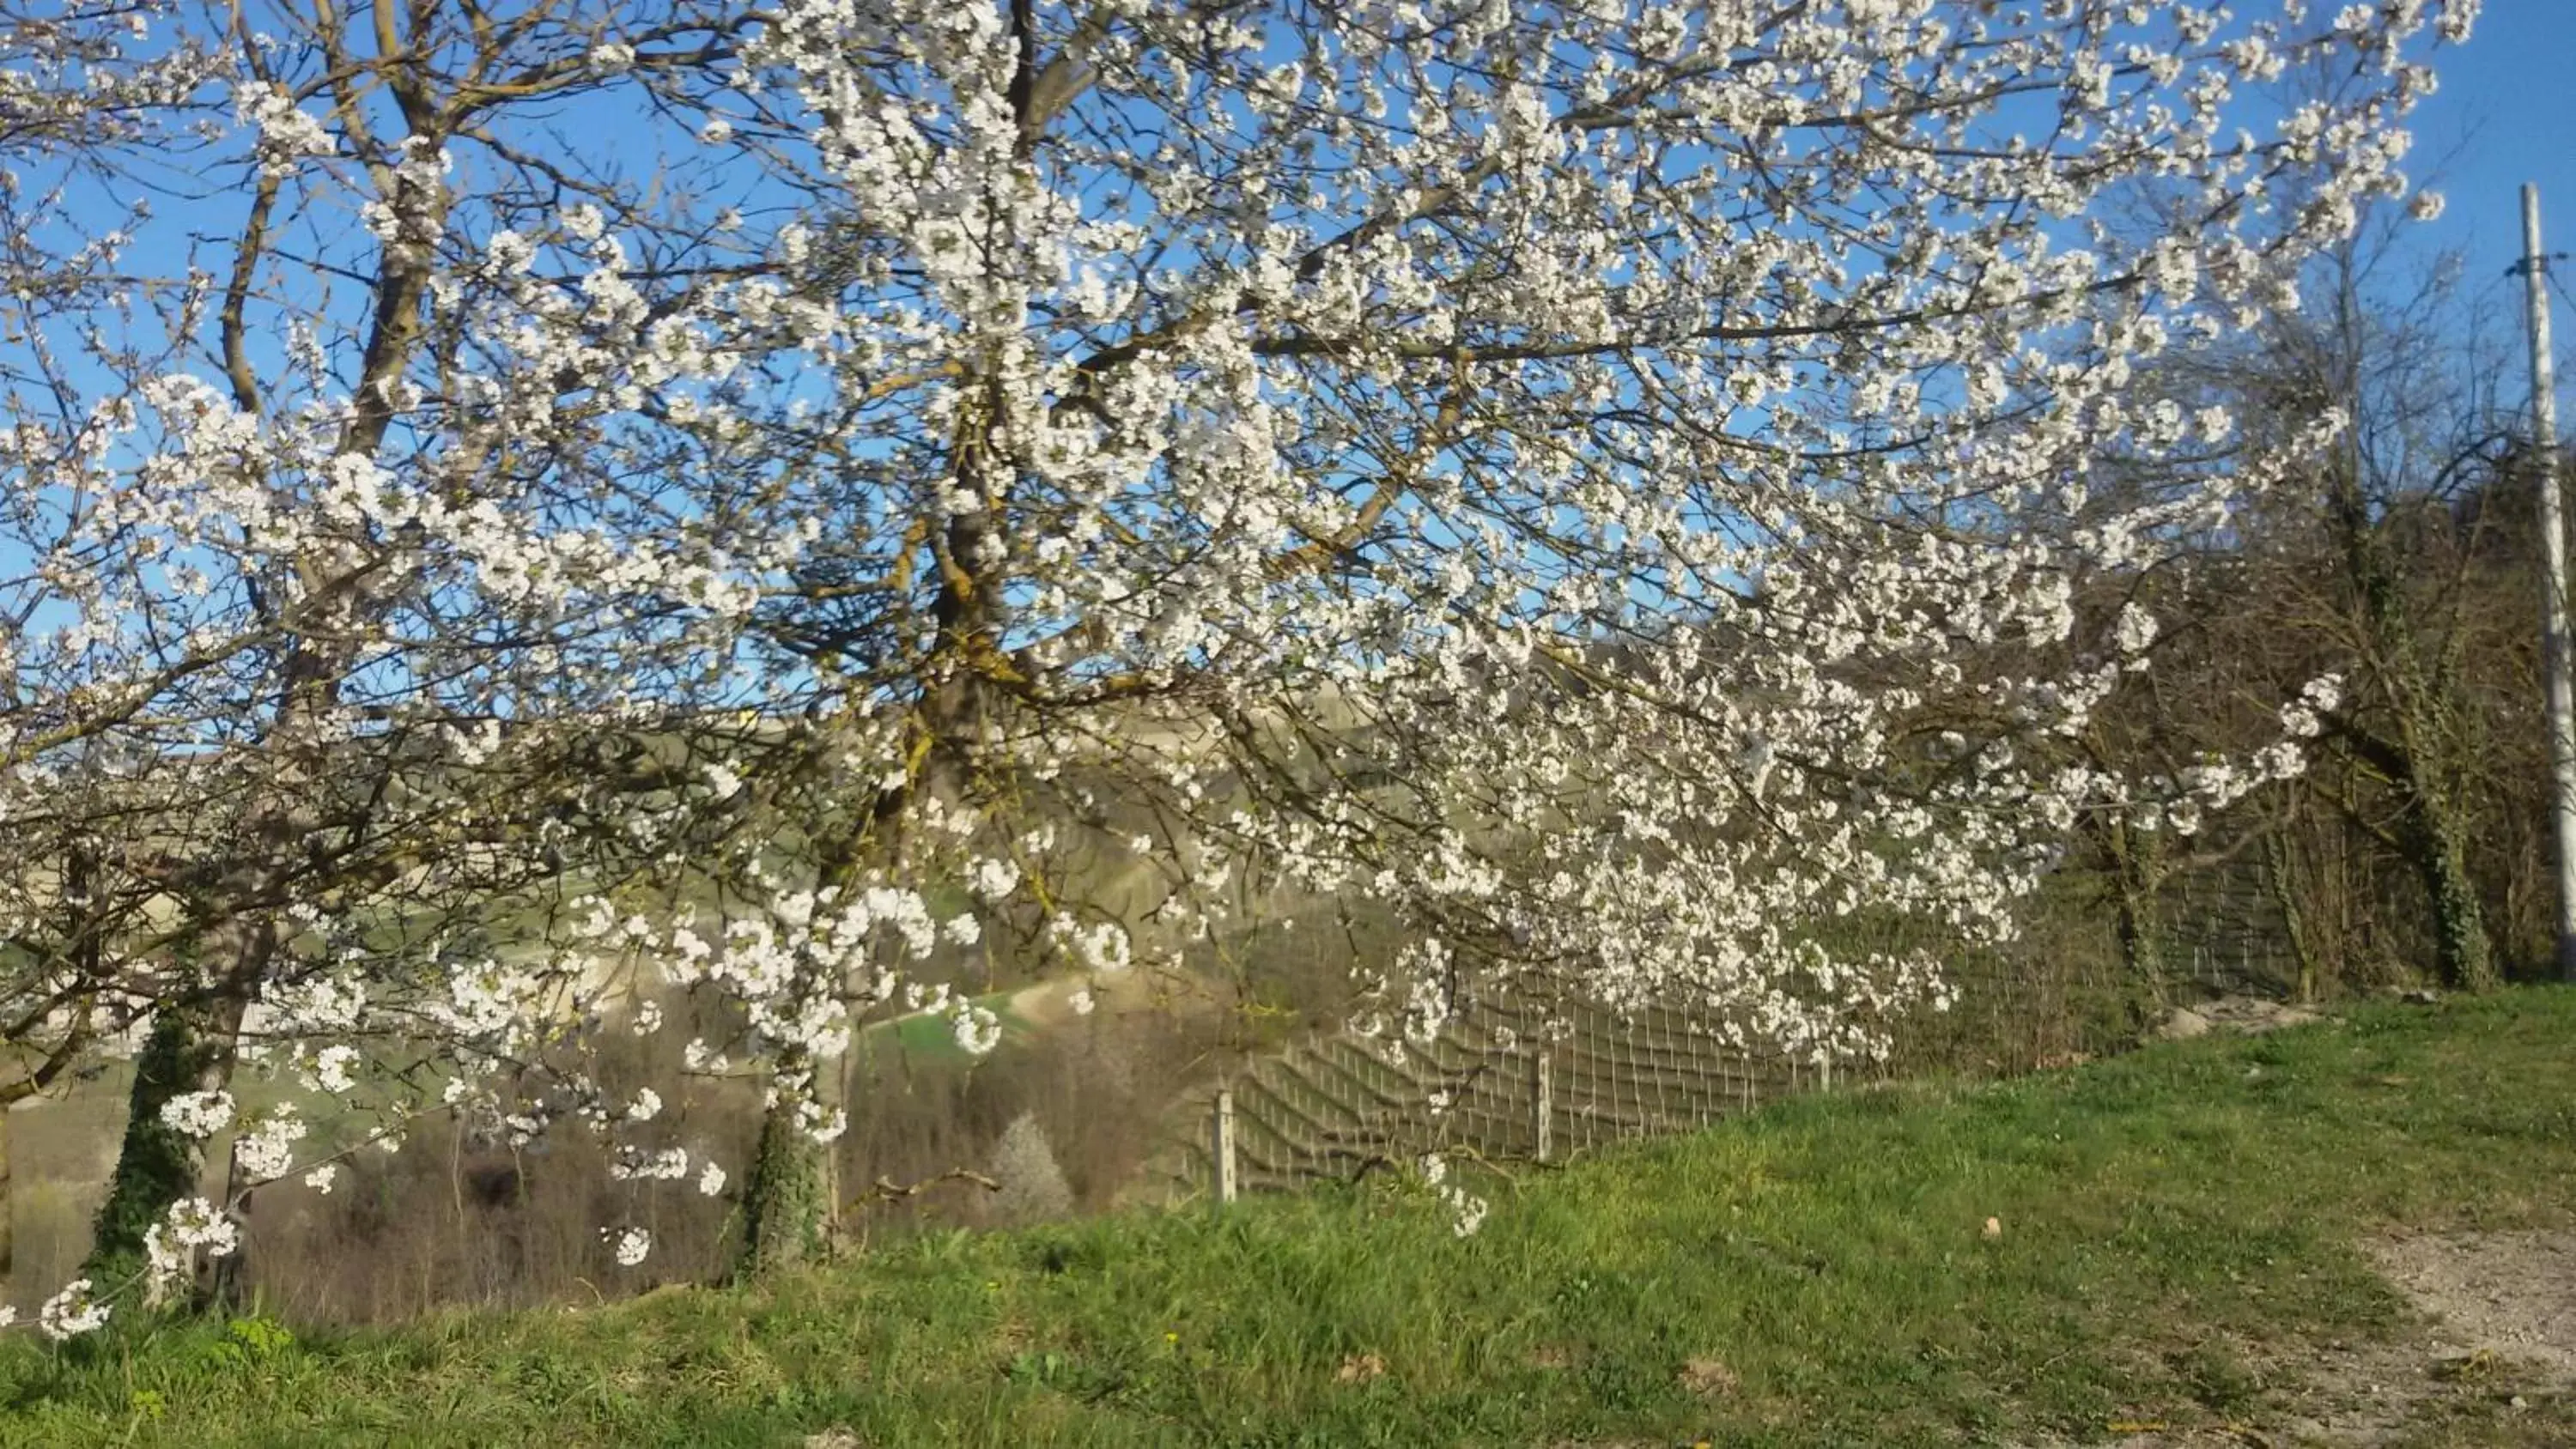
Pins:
<point x="1468" y="1213"/>
<point x="978" y="1030"/>
<point x="1081" y="1001"/>
<point x="332" y="1067"/>
<point x="266" y="1149"/>
<point x="647" y="1105"/>
<point x="1102" y="947"/>
<point x="2136" y="629"/>
<point x="666" y="1165"/>
<point x="711" y="1179"/>
<point x="71" y="1313"/>
<point x="993" y="879"/>
<point x="170" y="1245"/>
<point x="322" y="1179"/>
<point x="2280" y="760"/>
<point x="631" y="1244"/>
<point x="198" y="1114"/>
<point x="286" y="134"/>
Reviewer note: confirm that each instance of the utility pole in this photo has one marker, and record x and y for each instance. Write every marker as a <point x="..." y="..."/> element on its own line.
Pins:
<point x="2555" y="663"/>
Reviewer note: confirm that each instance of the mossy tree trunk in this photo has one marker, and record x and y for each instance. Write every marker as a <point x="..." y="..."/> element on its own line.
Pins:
<point x="2138" y="867"/>
<point x="2420" y="760"/>
<point x="192" y="1047"/>
<point x="783" y="1198"/>
<point x="2463" y="954"/>
<point x="157" y="1165"/>
<point x="195" y="1037"/>
<point x="8" y="1203"/>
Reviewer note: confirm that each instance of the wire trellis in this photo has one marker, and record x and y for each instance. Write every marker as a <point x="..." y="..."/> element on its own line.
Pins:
<point x="1496" y="1082"/>
<point x="1499" y="1083"/>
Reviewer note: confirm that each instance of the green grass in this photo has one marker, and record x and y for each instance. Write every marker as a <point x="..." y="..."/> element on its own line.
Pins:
<point x="2177" y="1226"/>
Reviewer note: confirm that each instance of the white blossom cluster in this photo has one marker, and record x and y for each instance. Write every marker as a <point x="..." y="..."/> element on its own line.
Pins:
<point x="629" y="1245"/>
<point x="287" y="134"/>
<point x="198" y="1114"/>
<point x="171" y="1245"/>
<point x="72" y="1312"/>
<point x="265" y="1149"/>
<point x="1467" y="1212"/>
<point x="1612" y="556"/>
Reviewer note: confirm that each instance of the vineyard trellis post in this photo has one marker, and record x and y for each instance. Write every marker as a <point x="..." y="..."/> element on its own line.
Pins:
<point x="1221" y="1144"/>
<point x="1544" y="1104"/>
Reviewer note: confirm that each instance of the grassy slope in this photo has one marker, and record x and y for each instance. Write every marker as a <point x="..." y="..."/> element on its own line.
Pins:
<point x="2172" y="1223"/>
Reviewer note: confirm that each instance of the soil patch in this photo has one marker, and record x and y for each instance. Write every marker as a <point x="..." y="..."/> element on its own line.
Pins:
<point x="2498" y="1345"/>
<point x="2507" y="1295"/>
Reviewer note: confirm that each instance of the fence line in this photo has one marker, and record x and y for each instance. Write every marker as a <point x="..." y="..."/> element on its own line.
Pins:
<point x="1497" y="1082"/>
<point x="1508" y="1080"/>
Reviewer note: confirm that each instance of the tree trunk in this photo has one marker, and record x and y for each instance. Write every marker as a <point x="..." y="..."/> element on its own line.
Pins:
<point x="2436" y="837"/>
<point x="2136" y="873"/>
<point x="193" y="1047"/>
<point x="788" y="1199"/>
<point x="194" y="1041"/>
<point x="2463" y="957"/>
<point x="227" y="1275"/>
<point x="158" y="1165"/>
<point x="783" y="1196"/>
<point x="2294" y="917"/>
<point x="2141" y="945"/>
<point x="832" y="1089"/>
<point x="8" y="1204"/>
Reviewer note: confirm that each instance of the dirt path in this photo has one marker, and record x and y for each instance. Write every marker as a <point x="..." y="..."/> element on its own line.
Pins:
<point x="2494" y="1362"/>
<point x="2511" y="1295"/>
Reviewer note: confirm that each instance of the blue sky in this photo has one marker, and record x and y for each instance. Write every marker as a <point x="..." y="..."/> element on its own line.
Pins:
<point x="2505" y="114"/>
